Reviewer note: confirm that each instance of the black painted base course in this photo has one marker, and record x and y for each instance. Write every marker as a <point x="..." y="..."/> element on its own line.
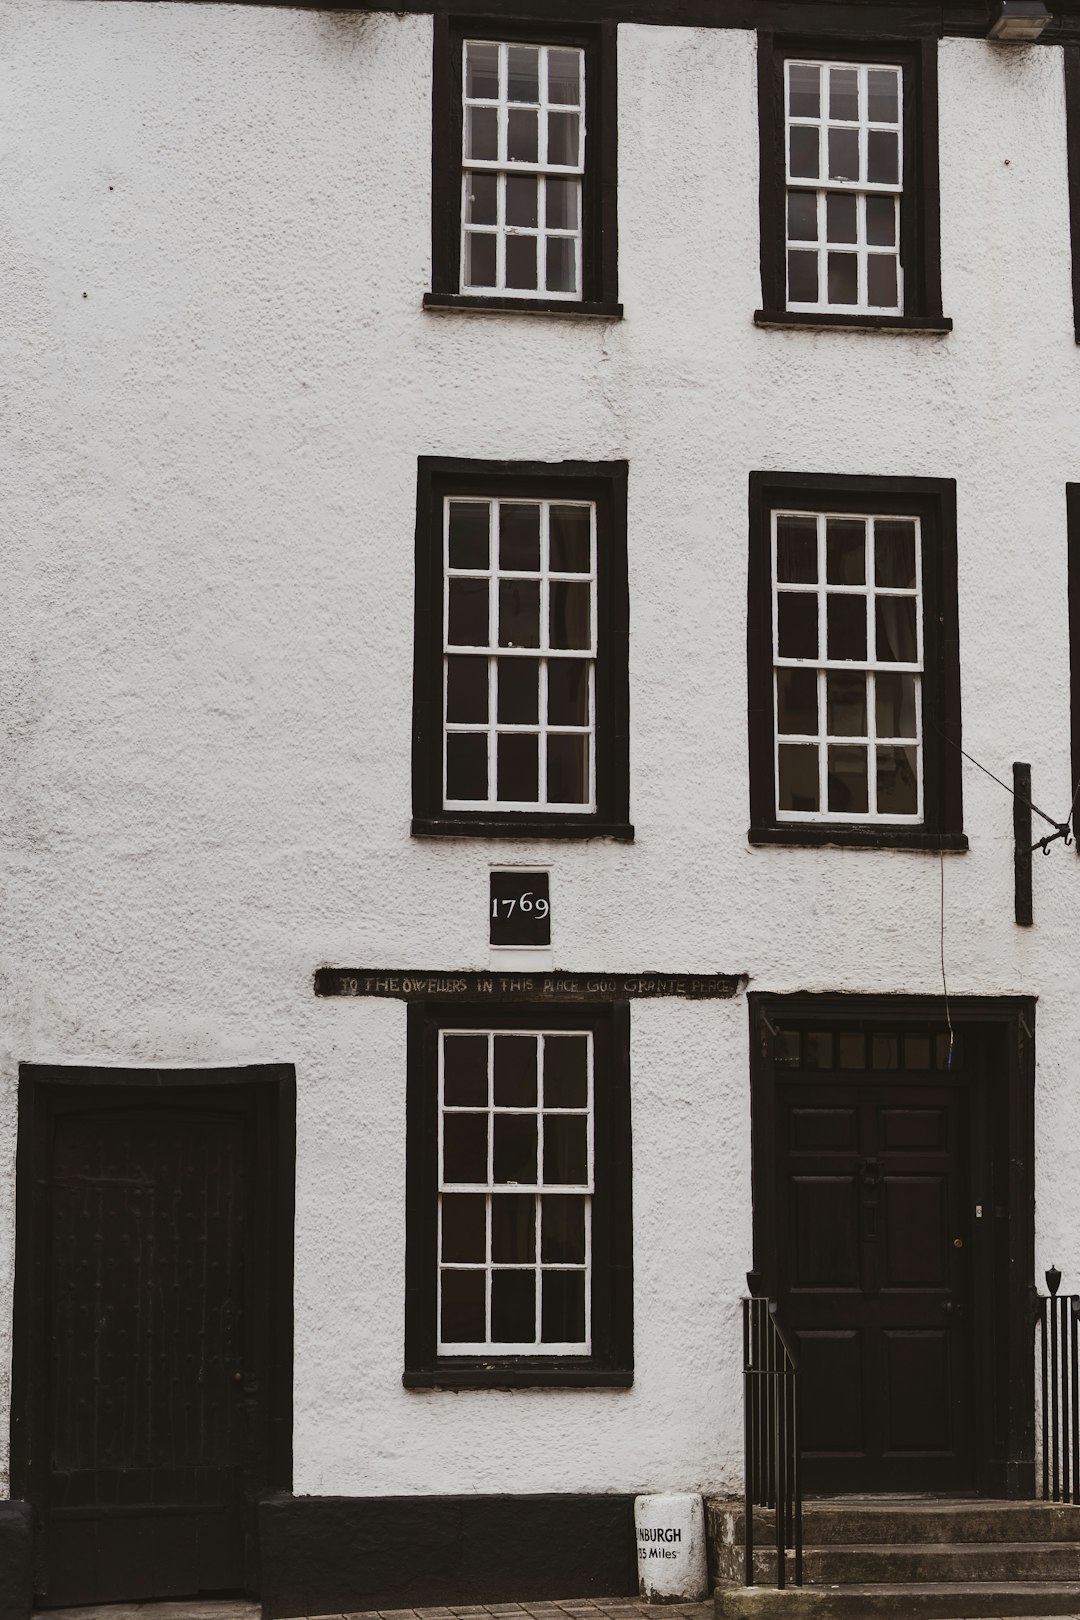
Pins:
<point x="327" y="1554"/>
<point x="16" y="1567"/>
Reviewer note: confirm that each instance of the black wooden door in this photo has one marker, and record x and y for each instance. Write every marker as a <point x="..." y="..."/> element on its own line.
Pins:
<point x="153" y="1421"/>
<point x="872" y="1185"/>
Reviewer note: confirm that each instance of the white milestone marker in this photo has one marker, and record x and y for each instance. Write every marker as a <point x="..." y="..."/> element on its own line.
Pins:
<point x="670" y="1533"/>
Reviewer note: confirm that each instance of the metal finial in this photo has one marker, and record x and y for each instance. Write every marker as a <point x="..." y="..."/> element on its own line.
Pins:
<point x="1053" y="1280"/>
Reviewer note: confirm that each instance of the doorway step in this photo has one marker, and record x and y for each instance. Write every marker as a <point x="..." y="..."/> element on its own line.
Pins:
<point x="903" y="1558"/>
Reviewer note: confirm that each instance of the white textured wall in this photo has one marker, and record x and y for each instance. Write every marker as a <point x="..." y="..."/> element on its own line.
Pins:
<point x="216" y="380"/>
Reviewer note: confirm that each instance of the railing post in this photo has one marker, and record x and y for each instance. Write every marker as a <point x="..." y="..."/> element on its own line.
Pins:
<point x="1074" y="1367"/>
<point x="1043" y="1304"/>
<point x="748" y="1442"/>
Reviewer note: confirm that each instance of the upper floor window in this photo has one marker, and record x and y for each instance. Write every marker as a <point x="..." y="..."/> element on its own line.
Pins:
<point x="524" y="192"/>
<point x="849" y="189"/>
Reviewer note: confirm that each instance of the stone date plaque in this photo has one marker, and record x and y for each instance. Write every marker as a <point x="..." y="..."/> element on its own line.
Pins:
<point x="519" y="908"/>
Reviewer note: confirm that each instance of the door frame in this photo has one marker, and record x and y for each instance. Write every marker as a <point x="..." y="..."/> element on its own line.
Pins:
<point x="1003" y="1271"/>
<point x="29" y="1366"/>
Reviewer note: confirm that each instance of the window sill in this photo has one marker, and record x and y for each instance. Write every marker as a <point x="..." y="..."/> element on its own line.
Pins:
<point x="472" y="304"/>
<point x="816" y="834"/>
<point x="808" y="321"/>
<point x="495" y="826"/>
<point x="523" y="1374"/>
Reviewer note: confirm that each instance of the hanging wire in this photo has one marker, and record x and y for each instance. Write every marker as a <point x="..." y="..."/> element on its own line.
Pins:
<point x="1062" y="829"/>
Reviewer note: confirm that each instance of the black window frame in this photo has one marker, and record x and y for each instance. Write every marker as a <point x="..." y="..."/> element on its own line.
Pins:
<point x="920" y="211"/>
<point x="1071" y="54"/>
<point x="1072" y="499"/>
<point x="611" y="1361"/>
<point x="600" y="244"/>
<point x="933" y="501"/>
<point x="604" y="482"/>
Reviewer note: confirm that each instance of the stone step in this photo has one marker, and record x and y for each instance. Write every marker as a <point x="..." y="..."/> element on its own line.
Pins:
<point x="952" y="1600"/>
<point x="892" y="1563"/>
<point x="855" y="1520"/>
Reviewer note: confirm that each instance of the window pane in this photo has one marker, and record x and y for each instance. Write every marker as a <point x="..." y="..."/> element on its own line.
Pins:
<point x="896" y="710"/>
<point x="846" y="705"/>
<point x="804" y="162"/>
<point x="519" y="694"/>
<point x="818" y="1045"/>
<point x="802" y="216"/>
<point x="521" y="198"/>
<point x="851" y="1051"/>
<point x="804" y="97"/>
<point x="844" y="93"/>
<point x="480" y="259"/>
<point x="566" y="1071"/>
<point x="467" y="618"/>
<point x="463" y="1307"/>
<point x="916" y="1051"/>
<point x="481" y="198"/>
<point x="797" y="702"/>
<point x="798" y="777"/>
<point x="565" y="1149"/>
<point x="468" y="542"/>
<point x="786" y="1048"/>
<point x="482" y="72"/>
<point x="563" y="204"/>
<point x="466" y="765"/>
<point x="897" y="783"/>
<point x="567" y="769"/>
<point x="843" y="278"/>
<point x="883" y="96"/>
<point x="802" y="278"/>
<point x="882" y="157"/>
<point x="519" y="613"/>
<point x="894" y="553"/>
<point x="514" y="1147"/>
<point x="519" y="539"/>
<point x="563" y="136"/>
<point x="561" y="264"/>
<point x="796" y="550"/>
<point x="845" y="551"/>
<point x="571" y="614"/>
<point x="467" y="689"/>
<point x="843" y="154"/>
<point x="563" y="1307"/>
<point x="564" y="77"/>
<point x="848" y="787"/>
<point x="513" y="1228"/>
<point x="518" y="767"/>
<point x="562" y="1229"/>
<point x="571" y="545"/>
<point x="841" y="217"/>
<point x="885" y="1051"/>
<point x="464" y="1227"/>
<point x="521" y="262"/>
<point x="513" y="1307"/>
<point x="881" y="290"/>
<point x="515" y="1071"/>
<point x="797" y="624"/>
<point x="847" y="626"/>
<point x="521" y="135"/>
<point x="465" y="1147"/>
<point x="465" y="1059"/>
<point x="482" y="134"/>
<point x="523" y="78"/>
<point x="568" y="692"/>
<point x="896" y="636"/>
<point x="881" y="221"/>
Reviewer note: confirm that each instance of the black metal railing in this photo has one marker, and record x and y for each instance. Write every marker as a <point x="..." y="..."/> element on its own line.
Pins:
<point x="1059" y="1345"/>
<point x="770" y="1415"/>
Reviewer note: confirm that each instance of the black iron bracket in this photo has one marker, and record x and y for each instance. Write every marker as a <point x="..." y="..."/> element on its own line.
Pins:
<point x="1023" y="847"/>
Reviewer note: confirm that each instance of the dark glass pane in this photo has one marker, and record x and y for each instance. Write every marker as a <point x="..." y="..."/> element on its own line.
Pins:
<point x="465" y="1147"/>
<point x="563" y="1307"/>
<point x="897" y="782"/>
<point x="467" y="619"/>
<point x="798" y="777"/>
<point x="464" y="1227"/>
<point x="482" y="72"/>
<point x="468" y="534"/>
<point x="515" y="1148"/>
<point x="843" y="154"/>
<point x="802" y="278"/>
<point x="894" y="553"/>
<point x="568" y="692"/>
<point x="562" y="1229"/>
<point x="521" y="198"/>
<point x="843" y="278"/>
<point x="563" y="204"/>
<point x="564" y="78"/>
<point x="882" y="157"/>
<point x="851" y="1051"/>
<point x="846" y="704"/>
<point x="481" y="199"/>
<point x="916" y="1051"/>
<point x="566" y="1155"/>
<point x="848" y="786"/>
<point x="885" y="1051"/>
<point x="467" y="689"/>
<point x="847" y="626"/>
<point x="561" y="264"/>
<point x="523" y="76"/>
<point x="786" y="1048"/>
<point x="566" y="1071"/>
<point x="881" y="281"/>
<point x="513" y="1228"/>
<point x="841" y="217"/>
<point x="521" y="262"/>
<point x="818" y="1045"/>
<point x="480" y="262"/>
<point x="570" y="540"/>
<point x="897" y="642"/>
<point x="571" y="614"/>
<point x="804" y="162"/>
<point x="797" y="702"/>
<point x="522" y="133"/>
<point x="519" y="538"/>
<point x="896" y="711"/>
<point x="519" y="613"/>
<point x="465" y="1060"/>
<point x="804" y="90"/>
<point x="563" y="136"/>
<point x="844" y="93"/>
<point x="797" y="624"/>
<point x="513" y="1307"/>
<point x="845" y="551"/>
<point x="515" y="1071"/>
<point x="883" y="95"/>
<point x="796" y="550"/>
<point x="466" y="765"/>
<point x="802" y="216"/>
<point x="567" y="769"/>
<point x="519" y="691"/>
<point x="518" y="767"/>
<point x="881" y="221"/>
<point x="463" y="1307"/>
<point x="482" y="134"/>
